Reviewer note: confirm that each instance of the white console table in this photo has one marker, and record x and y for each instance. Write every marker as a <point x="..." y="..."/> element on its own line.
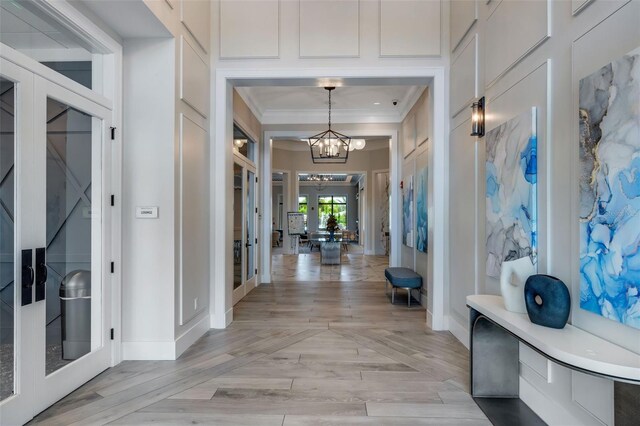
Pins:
<point x="495" y="334"/>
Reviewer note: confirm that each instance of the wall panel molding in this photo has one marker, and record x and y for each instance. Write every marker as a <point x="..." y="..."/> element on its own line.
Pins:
<point x="258" y="37"/>
<point x="593" y="395"/>
<point x="578" y="6"/>
<point x="194" y="78"/>
<point x="196" y="17"/>
<point x="503" y="53"/>
<point x="463" y="15"/>
<point x="410" y="28"/>
<point x="344" y="16"/>
<point x="464" y="77"/>
<point x="194" y="222"/>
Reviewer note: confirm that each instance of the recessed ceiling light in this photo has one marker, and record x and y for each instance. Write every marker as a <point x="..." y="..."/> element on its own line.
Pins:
<point x="376" y="103"/>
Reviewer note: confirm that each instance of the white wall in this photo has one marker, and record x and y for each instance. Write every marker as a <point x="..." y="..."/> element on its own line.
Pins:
<point x="417" y="147"/>
<point x="148" y="249"/>
<point x="276" y="33"/>
<point x="521" y="54"/>
<point x="166" y="142"/>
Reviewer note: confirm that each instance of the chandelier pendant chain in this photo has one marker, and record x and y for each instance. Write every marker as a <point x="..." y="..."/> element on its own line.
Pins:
<point x="330" y="108"/>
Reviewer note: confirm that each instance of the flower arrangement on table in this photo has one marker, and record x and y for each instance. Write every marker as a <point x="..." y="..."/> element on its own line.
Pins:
<point x="332" y="226"/>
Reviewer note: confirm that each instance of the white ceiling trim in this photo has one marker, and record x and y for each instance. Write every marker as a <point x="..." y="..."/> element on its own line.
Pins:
<point x="409" y="101"/>
<point x="320" y="116"/>
<point x="251" y="103"/>
<point x="316" y="116"/>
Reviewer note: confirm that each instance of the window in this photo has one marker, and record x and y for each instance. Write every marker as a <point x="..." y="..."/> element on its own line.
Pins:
<point x="303" y="207"/>
<point x="335" y="205"/>
<point x="243" y="144"/>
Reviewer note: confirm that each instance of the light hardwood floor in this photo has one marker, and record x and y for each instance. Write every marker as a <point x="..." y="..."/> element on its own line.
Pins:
<point x="297" y="353"/>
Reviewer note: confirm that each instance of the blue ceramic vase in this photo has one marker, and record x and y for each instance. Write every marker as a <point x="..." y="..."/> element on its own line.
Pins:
<point x="548" y="301"/>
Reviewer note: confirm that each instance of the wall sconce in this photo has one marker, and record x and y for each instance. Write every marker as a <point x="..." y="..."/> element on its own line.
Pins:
<point x="477" y="118"/>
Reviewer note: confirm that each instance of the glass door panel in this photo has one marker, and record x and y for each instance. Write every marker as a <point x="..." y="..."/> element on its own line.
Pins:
<point x="7" y="238"/>
<point x="52" y="224"/>
<point x="250" y="225"/>
<point x="238" y="205"/>
<point x="69" y="220"/>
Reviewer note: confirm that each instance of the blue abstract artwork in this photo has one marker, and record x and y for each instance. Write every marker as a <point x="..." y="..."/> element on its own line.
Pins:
<point x="511" y="197"/>
<point x="609" y="184"/>
<point x="407" y="212"/>
<point x="421" y="210"/>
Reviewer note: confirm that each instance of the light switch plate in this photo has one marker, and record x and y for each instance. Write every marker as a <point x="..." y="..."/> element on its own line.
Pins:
<point x="147" y="212"/>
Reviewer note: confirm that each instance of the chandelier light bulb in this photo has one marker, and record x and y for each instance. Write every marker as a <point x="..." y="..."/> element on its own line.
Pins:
<point x="358" y="143"/>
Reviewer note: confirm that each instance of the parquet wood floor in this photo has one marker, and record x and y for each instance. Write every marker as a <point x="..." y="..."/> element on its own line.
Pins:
<point x="297" y="353"/>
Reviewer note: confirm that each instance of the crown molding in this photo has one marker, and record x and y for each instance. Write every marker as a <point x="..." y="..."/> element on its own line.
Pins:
<point x="319" y="116"/>
<point x="410" y="100"/>
<point x="251" y="103"/>
<point x="338" y="116"/>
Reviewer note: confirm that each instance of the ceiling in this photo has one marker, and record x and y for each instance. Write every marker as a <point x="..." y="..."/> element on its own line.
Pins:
<point x="129" y="19"/>
<point x="23" y="26"/>
<point x="350" y="104"/>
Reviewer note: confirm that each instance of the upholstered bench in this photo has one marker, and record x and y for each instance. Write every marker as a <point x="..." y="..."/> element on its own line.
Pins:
<point x="402" y="278"/>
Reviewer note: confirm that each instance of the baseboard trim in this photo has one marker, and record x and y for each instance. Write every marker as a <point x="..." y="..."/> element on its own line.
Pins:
<point x="190" y="336"/>
<point x="148" y="351"/>
<point x="459" y="331"/>
<point x="424" y="301"/>
<point x="221" y="323"/>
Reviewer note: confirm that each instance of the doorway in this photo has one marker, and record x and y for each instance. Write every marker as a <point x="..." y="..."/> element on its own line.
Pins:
<point x="56" y="229"/>
<point x="229" y="80"/>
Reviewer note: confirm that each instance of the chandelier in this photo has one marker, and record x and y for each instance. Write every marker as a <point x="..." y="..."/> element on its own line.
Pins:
<point x="320" y="178"/>
<point x="320" y="181"/>
<point x="329" y="146"/>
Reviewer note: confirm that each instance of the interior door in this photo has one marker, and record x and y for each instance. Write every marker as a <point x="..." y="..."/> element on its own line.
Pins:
<point x="59" y="303"/>
<point x="245" y="229"/>
<point x="239" y="254"/>
<point x="251" y="226"/>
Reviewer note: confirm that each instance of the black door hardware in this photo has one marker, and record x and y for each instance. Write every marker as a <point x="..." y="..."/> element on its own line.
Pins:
<point x="27" y="277"/>
<point x="41" y="274"/>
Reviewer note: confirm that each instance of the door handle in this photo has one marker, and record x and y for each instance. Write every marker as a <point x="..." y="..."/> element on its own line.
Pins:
<point x="41" y="274"/>
<point x="28" y="276"/>
<point x="247" y="245"/>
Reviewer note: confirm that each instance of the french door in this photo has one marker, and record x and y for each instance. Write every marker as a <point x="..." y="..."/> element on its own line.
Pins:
<point x="54" y="307"/>
<point x="245" y="226"/>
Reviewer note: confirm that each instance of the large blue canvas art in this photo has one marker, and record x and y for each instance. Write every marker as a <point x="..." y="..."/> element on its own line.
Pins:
<point x="511" y="174"/>
<point x="421" y="211"/>
<point x="407" y="212"/>
<point x="609" y="119"/>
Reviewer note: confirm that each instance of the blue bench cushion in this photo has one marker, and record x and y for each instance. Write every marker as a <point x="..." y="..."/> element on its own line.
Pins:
<point x="403" y="277"/>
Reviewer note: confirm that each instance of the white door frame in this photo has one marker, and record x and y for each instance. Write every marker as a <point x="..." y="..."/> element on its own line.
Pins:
<point x="221" y="173"/>
<point x="108" y="92"/>
<point x="34" y="389"/>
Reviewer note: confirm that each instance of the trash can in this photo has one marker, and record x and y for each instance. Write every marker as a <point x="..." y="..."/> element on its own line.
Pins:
<point x="75" y="308"/>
